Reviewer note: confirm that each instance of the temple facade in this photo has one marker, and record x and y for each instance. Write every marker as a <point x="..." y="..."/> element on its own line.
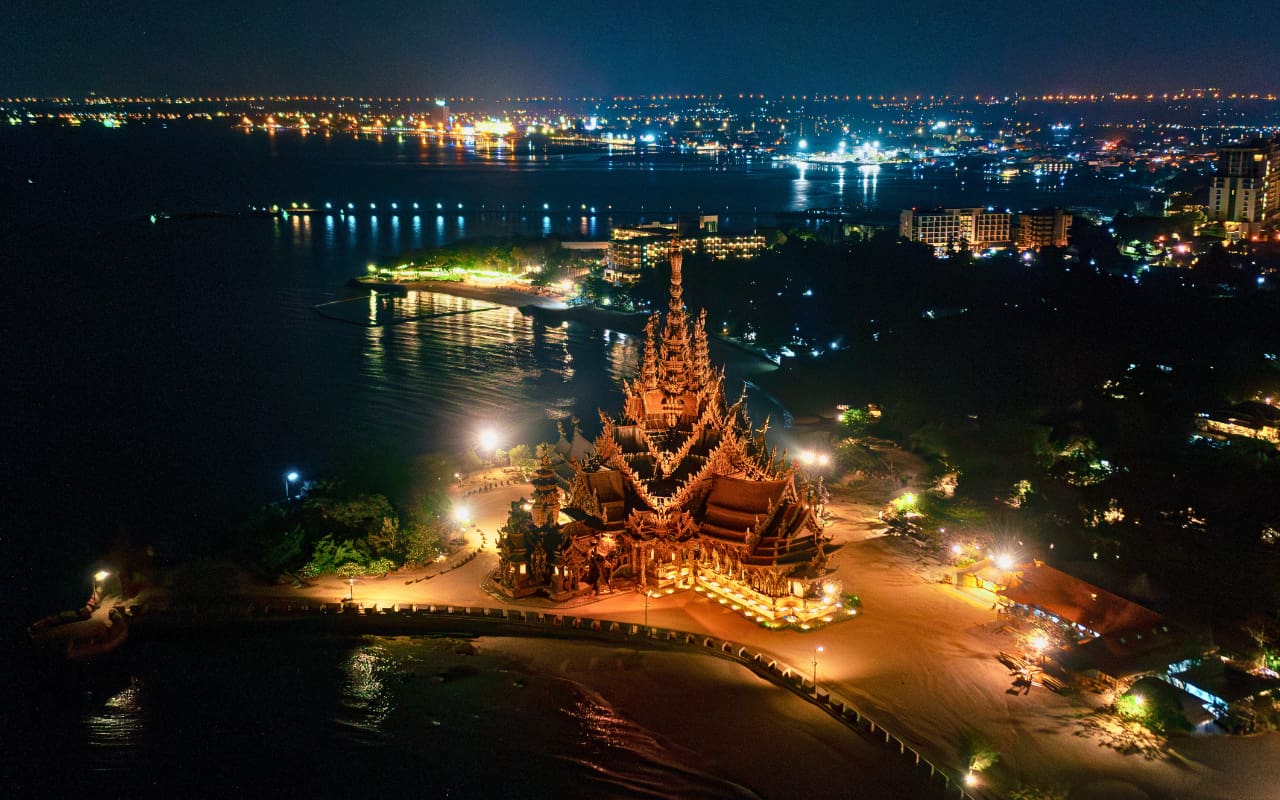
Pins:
<point x="680" y="492"/>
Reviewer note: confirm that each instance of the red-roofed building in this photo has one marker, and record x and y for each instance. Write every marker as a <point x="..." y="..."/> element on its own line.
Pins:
<point x="1116" y="640"/>
<point x="1067" y="599"/>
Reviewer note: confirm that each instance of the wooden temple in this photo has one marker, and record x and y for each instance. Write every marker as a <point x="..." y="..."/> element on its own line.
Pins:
<point x="680" y="493"/>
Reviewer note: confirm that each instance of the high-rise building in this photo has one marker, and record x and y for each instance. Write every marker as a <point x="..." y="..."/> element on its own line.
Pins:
<point x="950" y="229"/>
<point x="1041" y="228"/>
<point x="1247" y="185"/>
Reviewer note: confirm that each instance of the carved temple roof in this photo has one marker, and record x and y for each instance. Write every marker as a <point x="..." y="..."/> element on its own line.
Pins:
<point x="680" y="451"/>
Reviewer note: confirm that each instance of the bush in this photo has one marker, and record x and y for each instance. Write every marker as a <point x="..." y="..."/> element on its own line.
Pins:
<point x="327" y="556"/>
<point x="379" y="567"/>
<point x="426" y="542"/>
<point x="350" y="570"/>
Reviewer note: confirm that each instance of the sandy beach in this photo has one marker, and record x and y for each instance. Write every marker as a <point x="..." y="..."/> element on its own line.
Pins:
<point x="719" y="718"/>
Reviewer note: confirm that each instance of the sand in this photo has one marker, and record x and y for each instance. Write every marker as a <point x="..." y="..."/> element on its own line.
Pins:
<point x="718" y="717"/>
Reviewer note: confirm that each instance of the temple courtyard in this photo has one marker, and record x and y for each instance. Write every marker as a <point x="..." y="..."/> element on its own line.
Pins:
<point x="919" y="658"/>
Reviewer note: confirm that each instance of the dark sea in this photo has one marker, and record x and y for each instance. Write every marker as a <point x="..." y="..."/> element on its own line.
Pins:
<point x="162" y="377"/>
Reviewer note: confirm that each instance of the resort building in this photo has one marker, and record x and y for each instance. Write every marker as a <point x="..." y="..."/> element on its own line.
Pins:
<point x="680" y="492"/>
<point x="632" y="249"/>
<point x="948" y="230"/>
<point x="1252" y="419"/>
<point x="1036" y="229"/>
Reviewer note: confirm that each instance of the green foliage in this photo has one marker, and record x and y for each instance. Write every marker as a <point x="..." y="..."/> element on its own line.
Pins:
<point x="1154" y="704"/>
<point x="522" y="458"/>
<point x="350" y="570"/>
<point x="285" y="552"/>
<point x="425" y="542"/>
<point x="852" y="455"/>
<point x="426" y="496"/>
<point x="855" y="422"/>
<point x="329" y="555"/>
<point x="379" y="567"/>
<point x="514" y="254"/>
<point x="357" y="515"/>
<point x="389" y="541"/>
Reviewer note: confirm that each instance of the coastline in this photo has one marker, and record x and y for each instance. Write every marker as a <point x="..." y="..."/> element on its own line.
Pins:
<point x="551" y="306"/>
<point x="531" y="302"/>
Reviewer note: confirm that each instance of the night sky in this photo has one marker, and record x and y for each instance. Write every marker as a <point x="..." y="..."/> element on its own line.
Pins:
<point x="494" y="48"/>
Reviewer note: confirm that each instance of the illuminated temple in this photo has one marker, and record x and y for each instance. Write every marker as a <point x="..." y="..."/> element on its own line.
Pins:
<point x="679" y="492"/>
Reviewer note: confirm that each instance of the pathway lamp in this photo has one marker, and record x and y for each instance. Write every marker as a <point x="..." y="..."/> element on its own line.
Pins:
<point x="351" y="590"/>
<point x="98" y="577"/>
<point x="461" y="515"/>
<point x="816" y="650"/>
<point x="289" y="477"/>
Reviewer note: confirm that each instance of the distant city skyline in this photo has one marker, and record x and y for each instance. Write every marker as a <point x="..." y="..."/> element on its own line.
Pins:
<point x="498" y="49"/>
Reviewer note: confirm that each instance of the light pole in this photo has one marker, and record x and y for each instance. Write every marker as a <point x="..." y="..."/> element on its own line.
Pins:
<point x="488" y="442"/>
<point x="289" y="477"/>
<point x="351" y="591"/>
<point x="816" y="650"/>
<point x="98" y="577"/>
<point x="646" y="612"/>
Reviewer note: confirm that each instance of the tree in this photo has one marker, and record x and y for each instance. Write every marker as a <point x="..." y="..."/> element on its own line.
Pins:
<point x="521" y="458"/>
<point x="426" y="541"/>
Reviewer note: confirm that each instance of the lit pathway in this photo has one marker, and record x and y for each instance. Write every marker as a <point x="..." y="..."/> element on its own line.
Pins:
<point x="919" y="659"/>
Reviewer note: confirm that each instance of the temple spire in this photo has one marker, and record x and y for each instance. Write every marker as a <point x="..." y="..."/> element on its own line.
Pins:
<point x="700" y="358"/>
<point x="673" y="359"/>
<point x="649" y="369"/>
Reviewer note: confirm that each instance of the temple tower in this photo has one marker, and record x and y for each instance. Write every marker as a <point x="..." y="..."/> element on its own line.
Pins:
<point x="546" y="495"/>
<point x="673" y="356"/>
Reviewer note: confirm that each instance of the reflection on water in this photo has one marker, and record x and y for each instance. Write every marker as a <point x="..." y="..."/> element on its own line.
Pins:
<point x="434" y="356"/>
<point x="870" y="182"/>
<point x="113" y="730"/>
<point x="364" y="691"/>
<point x="800" y="199"/>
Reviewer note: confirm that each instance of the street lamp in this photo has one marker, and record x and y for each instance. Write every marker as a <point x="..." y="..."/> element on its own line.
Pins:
<point x="646" y="611"/>
<point x="289" y="477"/>
<point x="461" y="515"/>
<point x="816" y="650"/>
<point x="351" y="589"/>
<point x="488" y="440"/>
<point x="98" y="577"/>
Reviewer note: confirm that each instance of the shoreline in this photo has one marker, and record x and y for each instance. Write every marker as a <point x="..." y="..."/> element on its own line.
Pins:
<point x="550" y="305"/>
